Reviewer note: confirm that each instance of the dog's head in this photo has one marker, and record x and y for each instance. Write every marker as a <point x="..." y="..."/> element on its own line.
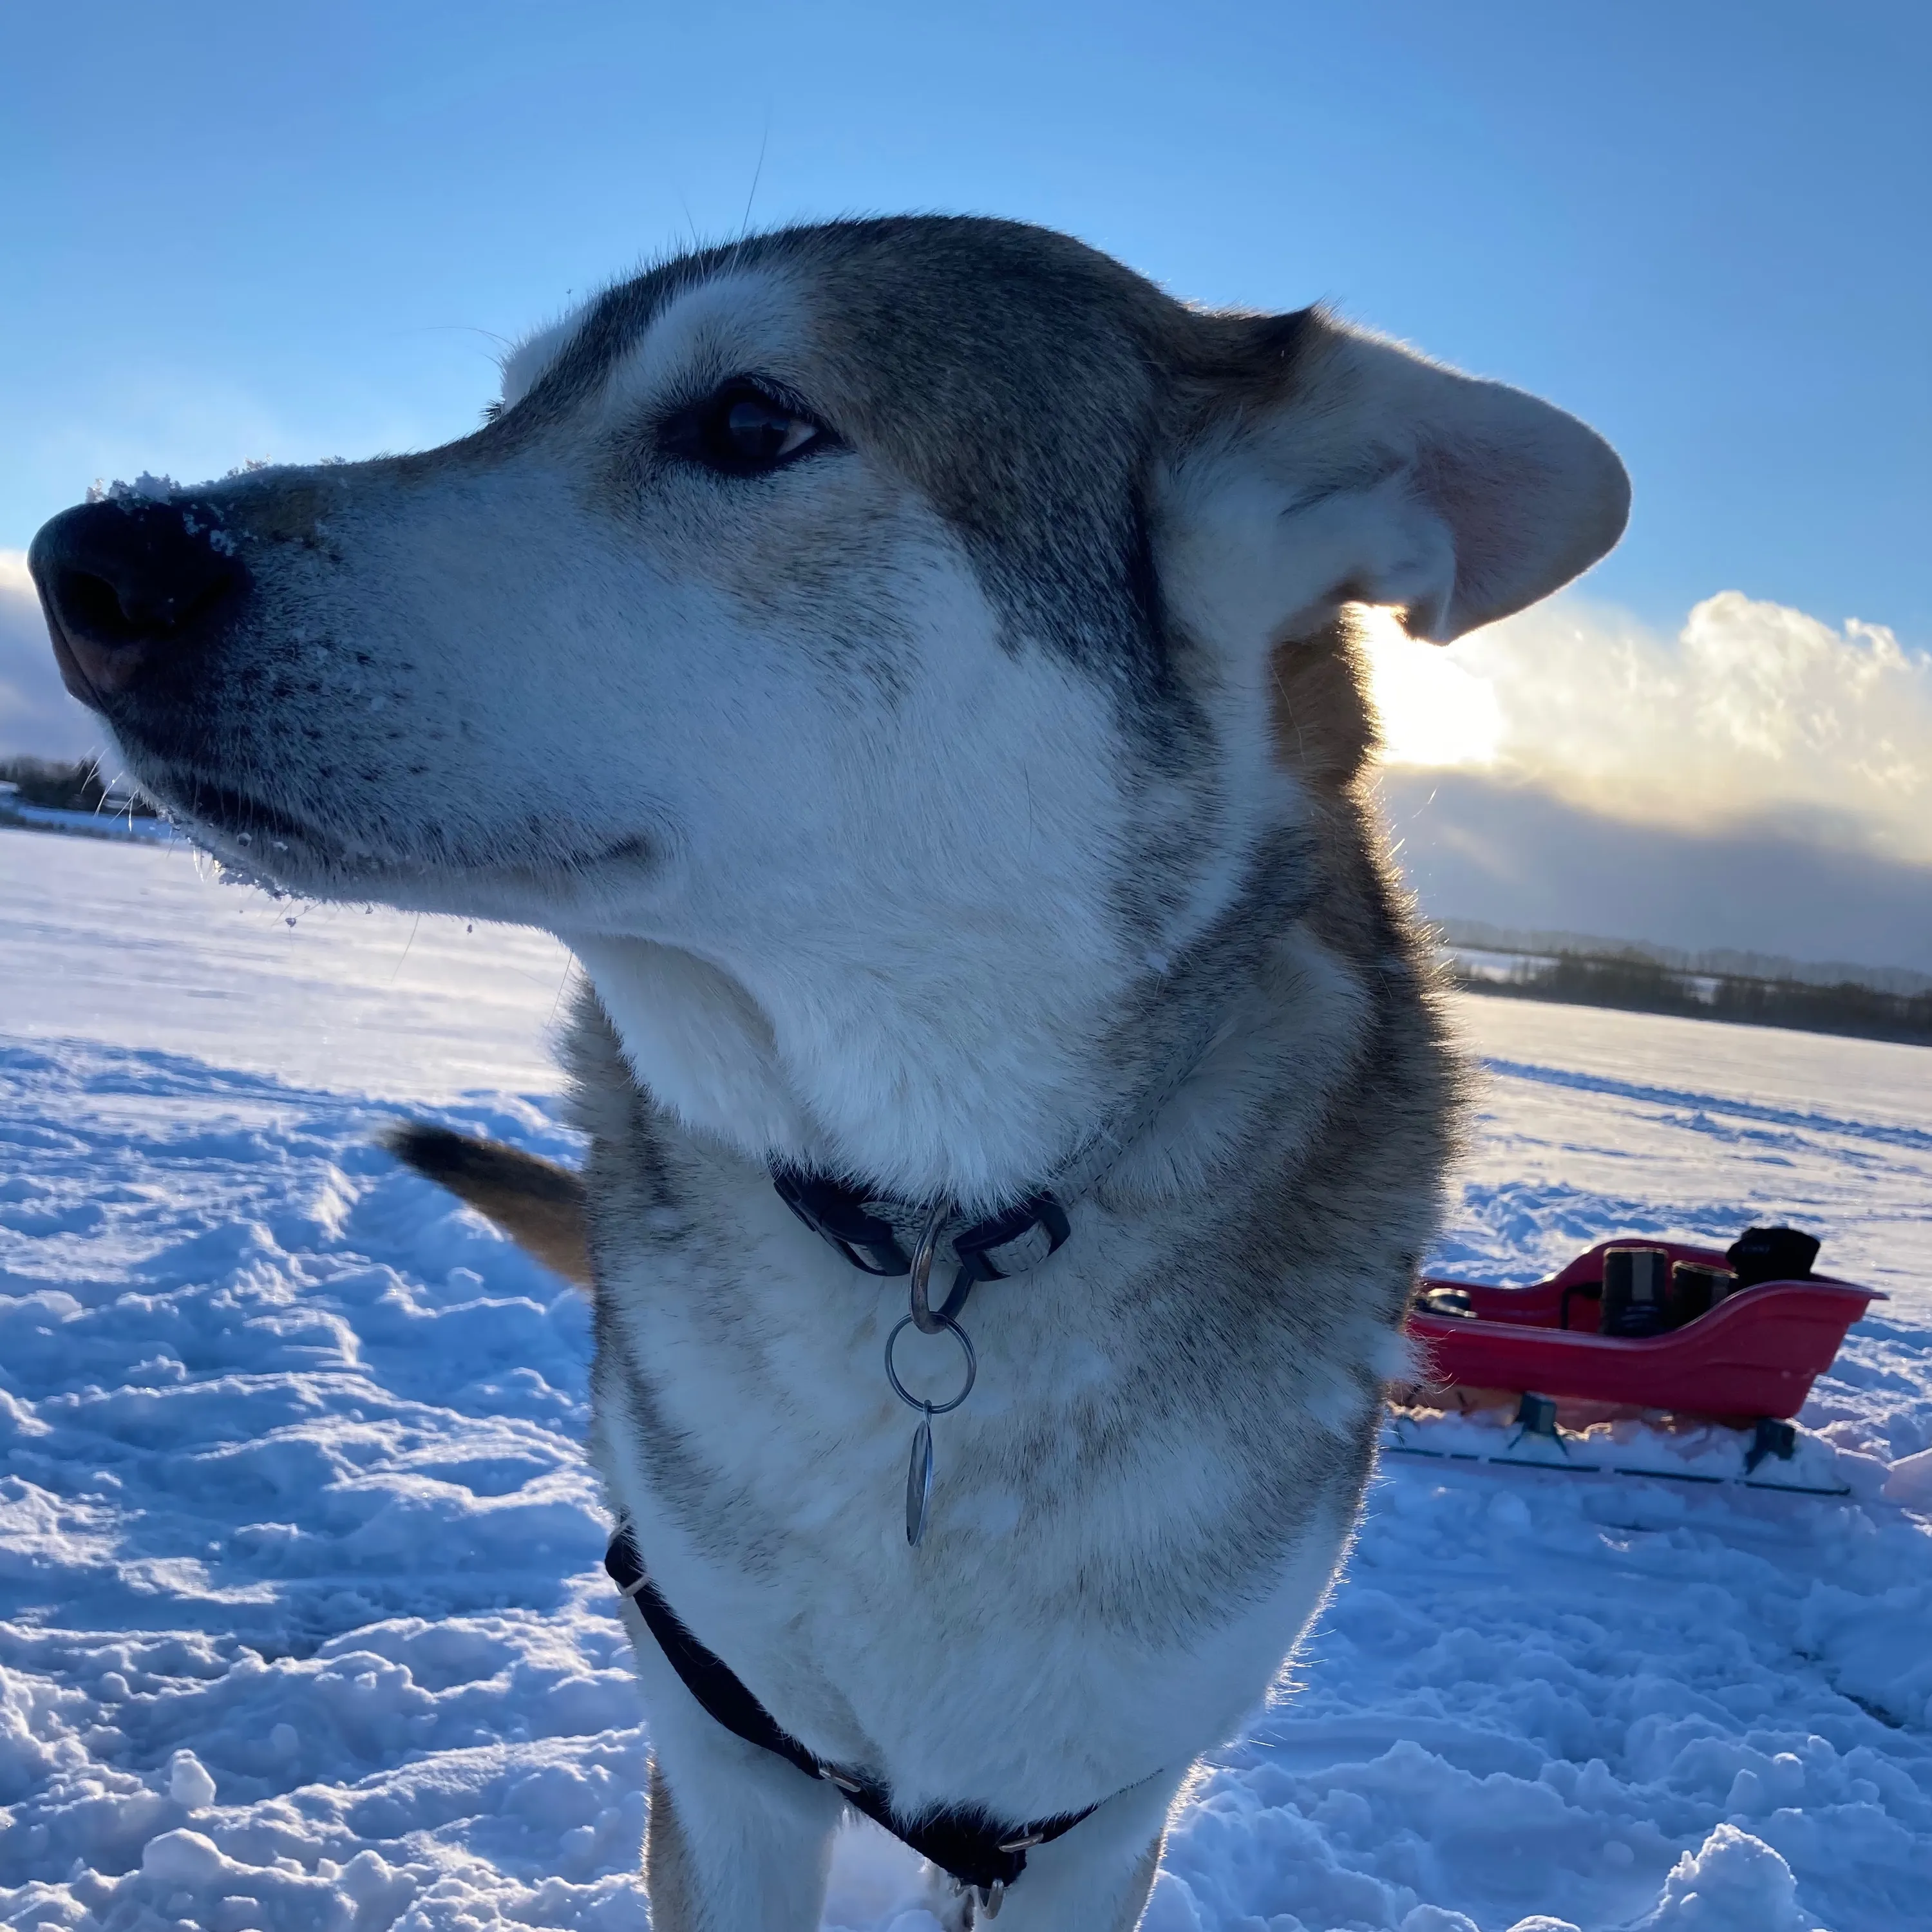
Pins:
<point x="867" y="635"/>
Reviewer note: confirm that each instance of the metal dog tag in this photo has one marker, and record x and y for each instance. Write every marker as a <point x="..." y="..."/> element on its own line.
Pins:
<point x="919" y="1469"/>
<point x="919" y="1479"/>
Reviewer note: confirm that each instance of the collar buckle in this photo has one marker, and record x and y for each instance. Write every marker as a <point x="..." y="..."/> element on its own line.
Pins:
<point x="836" y="1214"/>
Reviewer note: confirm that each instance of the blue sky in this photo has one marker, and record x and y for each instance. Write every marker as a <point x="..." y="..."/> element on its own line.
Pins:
<point x="294" y="230"/>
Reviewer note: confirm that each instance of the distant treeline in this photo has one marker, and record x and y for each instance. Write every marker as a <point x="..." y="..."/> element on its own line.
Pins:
<point x="56" y="787"/>
<point x="1631" y="980"/>
<point x="1722" y="962"/>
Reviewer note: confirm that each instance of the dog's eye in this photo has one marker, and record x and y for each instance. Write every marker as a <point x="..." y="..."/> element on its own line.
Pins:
<point x="743" y="430"/>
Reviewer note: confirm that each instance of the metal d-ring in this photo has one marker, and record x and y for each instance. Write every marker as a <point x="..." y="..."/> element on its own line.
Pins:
<point x="959" y="1335"/>
<point x="924" y="1317"/>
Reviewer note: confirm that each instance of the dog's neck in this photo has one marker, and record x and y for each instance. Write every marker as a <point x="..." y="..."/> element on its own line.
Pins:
<point x="698" y="1041"/>
<point x="1154" y="1100"/>
<point x="902" y="1107"/>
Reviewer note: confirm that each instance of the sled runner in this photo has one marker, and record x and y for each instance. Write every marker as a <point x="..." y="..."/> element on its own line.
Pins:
<point x="1773" y="1455"/>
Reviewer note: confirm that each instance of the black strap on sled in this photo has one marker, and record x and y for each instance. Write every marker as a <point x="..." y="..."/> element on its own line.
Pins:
<point x="962" y="1841"/>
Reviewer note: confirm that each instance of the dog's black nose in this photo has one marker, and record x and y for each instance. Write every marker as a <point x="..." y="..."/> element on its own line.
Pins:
<point x="125" y="582"/>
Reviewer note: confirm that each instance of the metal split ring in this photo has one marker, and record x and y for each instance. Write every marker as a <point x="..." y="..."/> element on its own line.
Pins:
<point x="924" y="1317"/>
<point x="959" y="1335"/>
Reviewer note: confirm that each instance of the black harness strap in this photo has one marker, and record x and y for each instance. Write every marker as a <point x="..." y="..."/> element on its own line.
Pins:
<point x="975" y="1849"/>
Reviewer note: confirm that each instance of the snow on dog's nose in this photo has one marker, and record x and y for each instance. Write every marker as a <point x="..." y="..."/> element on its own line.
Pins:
<point x="127" y="582"/>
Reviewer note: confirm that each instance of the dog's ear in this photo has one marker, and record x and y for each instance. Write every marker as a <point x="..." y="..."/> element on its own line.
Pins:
<point x="1330" y="466"/>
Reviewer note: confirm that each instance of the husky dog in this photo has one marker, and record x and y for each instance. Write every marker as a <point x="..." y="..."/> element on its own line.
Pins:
<point x="910" y="662"/>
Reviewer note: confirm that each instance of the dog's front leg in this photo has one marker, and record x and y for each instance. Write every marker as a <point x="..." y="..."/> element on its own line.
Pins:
<point x="738" y="1841"/>
<point x="1096" y="1878"/>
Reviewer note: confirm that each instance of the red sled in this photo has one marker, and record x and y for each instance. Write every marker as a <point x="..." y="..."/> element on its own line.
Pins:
<point x="1754" y="1355"/>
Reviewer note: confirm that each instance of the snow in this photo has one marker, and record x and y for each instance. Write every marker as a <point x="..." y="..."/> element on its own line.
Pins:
<point x="115" y="942"/>
<point x="301" y="1624"/>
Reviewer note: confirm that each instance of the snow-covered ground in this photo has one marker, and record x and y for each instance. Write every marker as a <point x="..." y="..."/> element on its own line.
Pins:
<point x="301" y="1621"/>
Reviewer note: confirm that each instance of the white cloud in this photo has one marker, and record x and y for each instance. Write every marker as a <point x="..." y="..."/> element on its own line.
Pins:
<point x="1753" y="714"/>
<point x="36" y="713"/>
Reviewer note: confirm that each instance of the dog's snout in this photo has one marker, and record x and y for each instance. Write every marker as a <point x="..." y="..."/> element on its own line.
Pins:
<point x="125" y="583"/>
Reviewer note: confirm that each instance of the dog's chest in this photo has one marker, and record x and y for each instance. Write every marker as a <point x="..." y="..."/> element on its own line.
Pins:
<point x="1120" y="1548"/>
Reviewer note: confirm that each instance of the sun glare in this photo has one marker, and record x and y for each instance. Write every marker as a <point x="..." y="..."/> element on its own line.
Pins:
<point x="1434" y="710"/>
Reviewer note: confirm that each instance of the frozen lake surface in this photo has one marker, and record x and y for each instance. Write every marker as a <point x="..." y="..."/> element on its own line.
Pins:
<point x="301" y="1624"/>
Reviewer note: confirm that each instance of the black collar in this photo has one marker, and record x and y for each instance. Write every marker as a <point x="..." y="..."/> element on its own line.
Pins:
<point x="841" y="1215"/>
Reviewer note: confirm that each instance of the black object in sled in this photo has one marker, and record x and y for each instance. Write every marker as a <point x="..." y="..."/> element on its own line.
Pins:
<point x="1759" y="1255"/>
